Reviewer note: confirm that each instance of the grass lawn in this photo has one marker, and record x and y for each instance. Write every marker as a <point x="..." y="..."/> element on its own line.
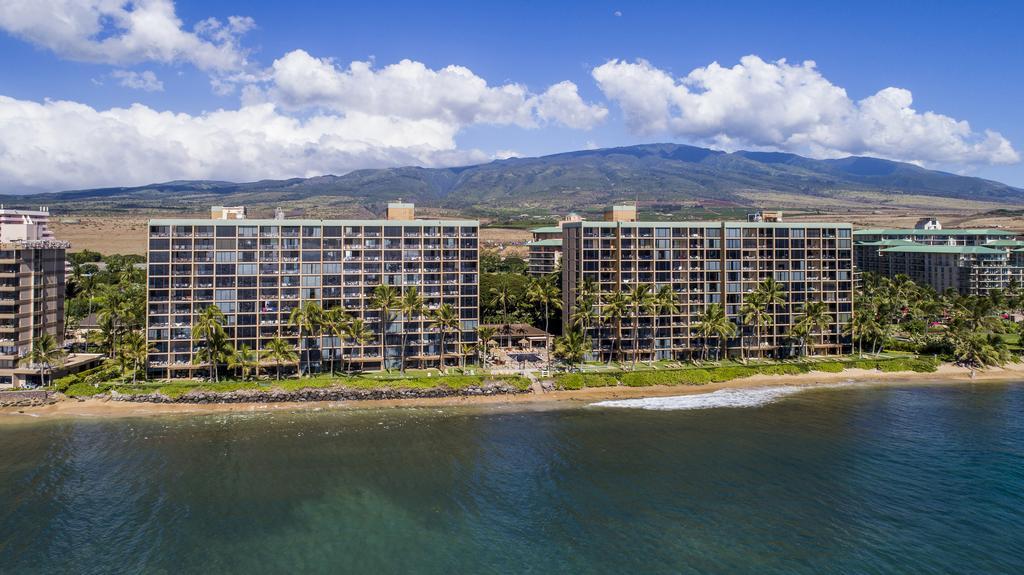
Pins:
<point x="413" y="380"/>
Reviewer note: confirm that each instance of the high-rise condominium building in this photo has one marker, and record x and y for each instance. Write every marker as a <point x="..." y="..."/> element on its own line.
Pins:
<point x="31" y="290"/>
<point x="256" y="271"/>
<point x="970" y="261"/>
<point x="707" y="263"/>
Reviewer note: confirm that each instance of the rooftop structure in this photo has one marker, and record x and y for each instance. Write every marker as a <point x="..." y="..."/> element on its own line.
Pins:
<point x="257" y="271"/>
<point x="928" y="224"/>
<point x="227" y="212"/>
<point x="707" y="263"/>
<point x="620" y="213"/>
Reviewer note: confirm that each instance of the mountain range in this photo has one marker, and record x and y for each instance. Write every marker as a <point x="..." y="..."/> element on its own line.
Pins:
<point x="584" y="180"/>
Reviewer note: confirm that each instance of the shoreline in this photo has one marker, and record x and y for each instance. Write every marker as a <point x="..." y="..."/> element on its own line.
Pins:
<point x="92" y="408"/>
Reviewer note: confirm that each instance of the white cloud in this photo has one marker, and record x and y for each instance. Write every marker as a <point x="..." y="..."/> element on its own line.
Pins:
<point x="122" y="32"/>
<point x="60" y="145"/>
<point x="561" y="103"/>
<point x="777" y="105"/>
<point x="145" y="80"/>
<point x="409" y="89"/>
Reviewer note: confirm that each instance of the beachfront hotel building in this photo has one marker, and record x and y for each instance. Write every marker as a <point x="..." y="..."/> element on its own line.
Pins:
<point x="970" y="261"/>
<point x="32" y="290"/>
<point x="709" y="263"/>
<point x="257" y="270"/>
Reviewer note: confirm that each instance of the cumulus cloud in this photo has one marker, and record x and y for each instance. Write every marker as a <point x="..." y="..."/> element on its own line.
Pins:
<point x="123" y="32"/>
<point x="792" y="107"/>
<point x="145" y="80"/>
<point x="60" y="145"/>
<point x="409" y="89"/>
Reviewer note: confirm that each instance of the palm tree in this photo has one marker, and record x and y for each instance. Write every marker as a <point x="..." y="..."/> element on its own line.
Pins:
<point x="357" y="332"/>
<point x="814" y="318"/>
<point x="385" y="298"/>
<point x="714" y="323"/>
<point x="544" y="292"/>
<point x="209" y="327"/>
<point x="572" y="347"/>
<point x="445" y="319"/>
<point x="308" y="319"/>
<point x="584" y="314"/>
<point x="503" y="297"/>
<point x="639" y="298"/>
<point x="280" y="352"/>
<point x="484" y="335"/>
<point x="412" y="307"/>
<point x="664" y="303"/>
<point x="977" y="350"/>
<point x="754" y="313"/>
<point x="615" y="309"/>
<point x="246" y="360"/>
<point x="135" y="349"/>
<point x="44" y="352"/>
<point x="336" y="320"/>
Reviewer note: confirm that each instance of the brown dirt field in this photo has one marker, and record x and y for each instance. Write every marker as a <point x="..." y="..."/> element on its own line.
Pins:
<point x="508" y="241"/>
<point x="104" y="234"/>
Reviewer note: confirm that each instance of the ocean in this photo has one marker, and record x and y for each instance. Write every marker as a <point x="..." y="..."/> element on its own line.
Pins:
<point x="843" y="479"/>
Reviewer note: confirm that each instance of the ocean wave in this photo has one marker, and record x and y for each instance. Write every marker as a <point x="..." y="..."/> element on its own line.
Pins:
<point x="752" y="397"/>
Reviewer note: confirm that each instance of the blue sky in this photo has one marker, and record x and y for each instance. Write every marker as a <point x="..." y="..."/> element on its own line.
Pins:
<point x="142" y="107"/>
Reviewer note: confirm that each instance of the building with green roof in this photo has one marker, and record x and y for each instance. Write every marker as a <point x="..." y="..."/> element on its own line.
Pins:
<point x="545" y="251"/>
<point x="971" y="261"/>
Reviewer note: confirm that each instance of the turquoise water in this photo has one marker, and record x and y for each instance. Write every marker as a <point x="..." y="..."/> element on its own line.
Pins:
<point x="921" y="479"/>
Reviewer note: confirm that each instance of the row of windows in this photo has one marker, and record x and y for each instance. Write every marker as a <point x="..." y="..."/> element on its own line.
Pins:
<point x="248" y="231"/>
<point x="715" y="232"/>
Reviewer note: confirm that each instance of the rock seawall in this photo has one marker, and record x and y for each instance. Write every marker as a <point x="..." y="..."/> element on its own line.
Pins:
<point x="26" y="398"/>
<point x="315" y="394"/>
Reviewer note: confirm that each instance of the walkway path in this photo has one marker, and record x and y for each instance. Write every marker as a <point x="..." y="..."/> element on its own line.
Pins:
<point x="535" y="385"/>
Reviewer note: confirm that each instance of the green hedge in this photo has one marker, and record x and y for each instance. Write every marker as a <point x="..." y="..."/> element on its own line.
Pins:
<point x="579" y="380"/>
<point x="701" y="376"/>
<point x="829" y="367"/>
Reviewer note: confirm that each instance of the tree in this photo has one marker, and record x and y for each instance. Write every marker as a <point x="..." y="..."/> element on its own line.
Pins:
<point x="444" y="319"/>
<point x="357" y="332"/>
<point x="279" y="352"/>
<point x="616" y="306"/>
<point x="639" y="299"/>
<point x="572" y="347"/>
<point x="815" y="319"/>
<point x="664" y="303"/>
<point x="336" y="320"/>
<point x="977" y="350"/>
<point x="385" y="299"/>
<point x="45" y="353"/>
<point x="545" y="293"/>
<point x="209" y="327"/>
<point x="503" y="297"/>
<point x="754" y="313"/>
<point x="246" y="360"/>
<point x="412" y="307"/>
<point x="135" y="350"/>
<point x="713" y="323"/>
<point x="485" y="335"/>
<point x="308" y="319"/>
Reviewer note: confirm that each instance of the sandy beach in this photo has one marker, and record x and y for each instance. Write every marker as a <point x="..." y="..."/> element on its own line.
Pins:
<point x="88" y="408"/>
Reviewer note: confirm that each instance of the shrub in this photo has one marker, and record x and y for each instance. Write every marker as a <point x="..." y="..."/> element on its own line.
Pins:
<point x="783" y="369"/>
<point x="84" y="389"/>
<point x="579" y="380"/>
<point x="829" y="367"/>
